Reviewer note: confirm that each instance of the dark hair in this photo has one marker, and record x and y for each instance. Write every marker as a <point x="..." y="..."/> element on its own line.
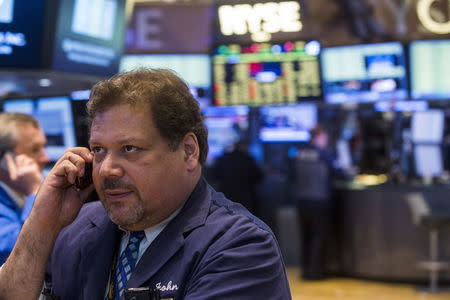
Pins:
<point x="174" y="110"/>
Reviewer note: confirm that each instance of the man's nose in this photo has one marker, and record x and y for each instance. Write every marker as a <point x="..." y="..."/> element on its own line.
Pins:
<point x="110" y="166"/>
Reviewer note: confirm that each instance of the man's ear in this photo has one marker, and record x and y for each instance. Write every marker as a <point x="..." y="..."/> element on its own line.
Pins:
<point x="191" y="150"/>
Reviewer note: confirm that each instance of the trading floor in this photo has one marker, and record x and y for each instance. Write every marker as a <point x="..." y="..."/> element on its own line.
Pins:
<point x="352" y="289"/>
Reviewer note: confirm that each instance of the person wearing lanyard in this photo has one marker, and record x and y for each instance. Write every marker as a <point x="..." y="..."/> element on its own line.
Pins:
<point x="147" y="147"/>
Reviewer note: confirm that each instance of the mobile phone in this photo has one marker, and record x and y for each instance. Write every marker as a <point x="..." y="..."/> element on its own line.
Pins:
<point x="85" y="180"/>
<point x="3" y="163"/>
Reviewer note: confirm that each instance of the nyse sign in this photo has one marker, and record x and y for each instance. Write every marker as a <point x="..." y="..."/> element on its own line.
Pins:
<point x="424" y="12"/>
<point x="260" y="20"/>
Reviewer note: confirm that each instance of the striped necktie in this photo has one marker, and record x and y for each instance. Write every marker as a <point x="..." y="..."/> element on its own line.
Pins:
<point x="127" y="262"/>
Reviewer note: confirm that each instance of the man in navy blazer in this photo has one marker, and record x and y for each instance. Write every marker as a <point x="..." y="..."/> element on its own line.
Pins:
<point x="158" y="223"/>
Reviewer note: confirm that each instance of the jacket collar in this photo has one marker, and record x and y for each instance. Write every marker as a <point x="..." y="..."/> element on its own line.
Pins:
<point x="97" y="253"/>
<point x="171" y="239"/>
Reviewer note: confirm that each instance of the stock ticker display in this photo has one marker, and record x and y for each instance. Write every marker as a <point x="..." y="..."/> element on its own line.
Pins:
<point x="261" y="74"/>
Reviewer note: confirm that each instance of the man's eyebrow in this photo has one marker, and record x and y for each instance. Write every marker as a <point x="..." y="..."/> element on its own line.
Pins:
<point x="118" y="141"/>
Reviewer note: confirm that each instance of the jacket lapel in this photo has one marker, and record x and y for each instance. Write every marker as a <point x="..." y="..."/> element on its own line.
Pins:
<point x="171" y="239"/>
<point x="97" y="254"/>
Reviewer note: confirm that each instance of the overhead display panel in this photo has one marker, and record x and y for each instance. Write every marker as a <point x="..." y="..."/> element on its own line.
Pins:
<point x="89" y="36"/>
<point x="364" y="73"/>
<point x="195" y="69"/>
<point x="260" y="74"/>
<point x="21" y="30"/>
<point x="257" y="21"/>
<point x="163" y="27"/>
<point x="430" y="69"/>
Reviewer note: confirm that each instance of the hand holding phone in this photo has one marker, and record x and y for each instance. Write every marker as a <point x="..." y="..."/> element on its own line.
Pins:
<point x="86" y="180"/>
<point x="20" y="172"/>
<point x="3" y="159"/>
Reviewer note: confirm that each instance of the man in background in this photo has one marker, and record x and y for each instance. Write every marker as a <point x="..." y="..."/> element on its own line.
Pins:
<point x="238" y="175"/>
<point x="312" y="170"/>
<point x="22" y="158"/>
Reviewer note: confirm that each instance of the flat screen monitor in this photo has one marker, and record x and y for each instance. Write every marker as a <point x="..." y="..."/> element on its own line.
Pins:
<point x="364" y="73"/>
<point x="226" y="126"/>
<point x="428" y="160"/>
<point x="427" y="126"/>
<point x="56" y="120"/>
<point x="261" y="74"/>
<point x="21" y="33"/>
<point x="80" y="95"/>
<point x="24" y="106"/>
<point x="89" y="36"/>
<point x="430" y="69"/>
<point x="195" y="69"/>
<point x="401" y="106"/>
<point x="290" y="123"/>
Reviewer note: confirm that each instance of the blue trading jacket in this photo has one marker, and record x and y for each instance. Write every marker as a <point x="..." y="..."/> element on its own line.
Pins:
<point x="12" y="218"/>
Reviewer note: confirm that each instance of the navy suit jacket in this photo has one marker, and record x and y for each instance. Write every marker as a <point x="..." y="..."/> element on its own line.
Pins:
<point x="213" y="249"/>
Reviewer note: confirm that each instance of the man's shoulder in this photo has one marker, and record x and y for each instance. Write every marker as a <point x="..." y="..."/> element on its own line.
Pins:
<point x="90" y="212"/>
<point x="92" y="209"/>
<point x="90" y="215"/>
<point x="230" y="215"/>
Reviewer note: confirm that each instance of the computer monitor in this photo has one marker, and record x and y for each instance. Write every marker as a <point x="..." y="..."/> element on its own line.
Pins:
<point x="89" y="36"/>
<point x="427" y="126"/>
<point x="261" y="74"/>
<point x="21" y="33"/>
<point x="195" y="69"/>
<point x="80" y="95"/>
<point x="55" y="117"/>
<point x="401" y="106"/>
<point x="364" y="73"/>
<point x="290" y="123"/>
<point x="430" y="69"/>
<point x="24" y="106"/>
<point x="226" y="126"/>
<point x="428" y="160"/>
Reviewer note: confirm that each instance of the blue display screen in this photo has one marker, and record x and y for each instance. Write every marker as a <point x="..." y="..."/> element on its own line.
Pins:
<point x="226" y="126"/>
<point x="21" y="33"/>
<point x="55" y="118"/>
<point x="290" y="123"/>
<point x="89" y="36"/>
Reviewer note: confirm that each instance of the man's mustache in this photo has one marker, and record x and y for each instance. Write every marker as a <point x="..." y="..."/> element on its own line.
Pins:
<point x="115" y="183"/>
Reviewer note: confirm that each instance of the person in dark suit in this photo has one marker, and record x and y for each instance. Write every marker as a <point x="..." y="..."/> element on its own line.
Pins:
<point x="313" y="166"/>
<point x="238" y="176"/>
<point x="158" y="223"/>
